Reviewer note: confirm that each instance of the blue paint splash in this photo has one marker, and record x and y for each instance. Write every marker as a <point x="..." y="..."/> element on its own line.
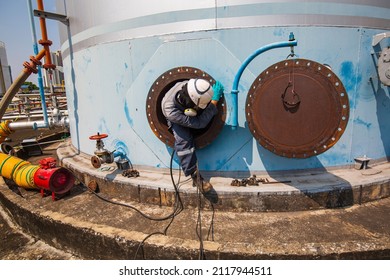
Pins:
<point x="103" y="127"/>
<point x="220" y="163"/>
<point x="359" y="121"/>
<point x="278" y="32"/>
<point x="348" y="73"/>
<point x="118" y="87"/>
<point x="120" y="146"/>
<point x="127" y="113"/>
<point x="350" y="78"/>
<point x="85" y="62"/>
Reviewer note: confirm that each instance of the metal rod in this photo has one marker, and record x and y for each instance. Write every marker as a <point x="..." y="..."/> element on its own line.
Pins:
<point x="45" y="42"/>
<point x="40" y="80"/>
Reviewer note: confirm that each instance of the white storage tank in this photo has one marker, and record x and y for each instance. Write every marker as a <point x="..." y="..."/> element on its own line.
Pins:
<point x="121" y="56"/>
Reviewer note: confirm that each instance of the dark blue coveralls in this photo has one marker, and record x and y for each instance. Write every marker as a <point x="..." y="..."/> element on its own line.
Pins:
<point x="182" y="126"/>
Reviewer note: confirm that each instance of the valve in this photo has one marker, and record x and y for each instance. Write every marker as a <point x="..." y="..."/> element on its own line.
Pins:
<point x="102" y="155"/>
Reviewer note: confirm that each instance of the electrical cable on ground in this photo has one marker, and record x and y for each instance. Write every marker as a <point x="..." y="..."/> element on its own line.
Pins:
<point x="202" y="255"/>
<point x="211" y="228"/>
<point x="178" y="207"/>
<point x="177" y="200"/>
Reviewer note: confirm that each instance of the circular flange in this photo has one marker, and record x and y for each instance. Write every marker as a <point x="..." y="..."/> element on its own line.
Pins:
<point x="297" y="108"/>
<point x="156" y="119"/>
<point x="96" y="162"/>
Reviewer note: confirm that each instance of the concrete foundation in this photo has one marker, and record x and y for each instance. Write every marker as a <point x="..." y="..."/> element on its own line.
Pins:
<point x="347" y="217"/>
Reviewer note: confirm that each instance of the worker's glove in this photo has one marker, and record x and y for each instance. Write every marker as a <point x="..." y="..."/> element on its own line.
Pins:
<point x="218" y="91"/>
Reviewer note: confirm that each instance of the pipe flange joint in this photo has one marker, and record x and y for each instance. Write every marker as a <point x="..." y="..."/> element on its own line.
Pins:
<point x="45" y="42"/>
<point x="49" y="66"/>
<point x="96" y="161"/>
<point x="35" y="60"/>
<point x="30" y="67"/>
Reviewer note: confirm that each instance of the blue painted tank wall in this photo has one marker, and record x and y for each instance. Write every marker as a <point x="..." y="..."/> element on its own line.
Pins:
<point x="107" y="85"/>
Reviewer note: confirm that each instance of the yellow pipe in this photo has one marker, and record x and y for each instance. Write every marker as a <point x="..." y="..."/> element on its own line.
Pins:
<point x="20" y="171"/>
<point x="24" y="176"/>
<point x="4" y="130"/>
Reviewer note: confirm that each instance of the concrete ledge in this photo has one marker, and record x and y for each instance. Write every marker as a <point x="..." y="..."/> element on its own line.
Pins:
<point x="91" y="228"/>
<point x="304" y="191"/>
<point x="84" y="226"/>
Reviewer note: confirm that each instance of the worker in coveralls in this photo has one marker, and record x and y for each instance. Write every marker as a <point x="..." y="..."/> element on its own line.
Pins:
<point x="190" y="105"/>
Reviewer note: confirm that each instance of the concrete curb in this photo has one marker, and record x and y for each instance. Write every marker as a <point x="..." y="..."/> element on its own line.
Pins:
<point x="306" y="191"/>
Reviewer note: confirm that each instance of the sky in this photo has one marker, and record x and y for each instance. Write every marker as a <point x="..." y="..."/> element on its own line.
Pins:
<point x="15" y="32"/>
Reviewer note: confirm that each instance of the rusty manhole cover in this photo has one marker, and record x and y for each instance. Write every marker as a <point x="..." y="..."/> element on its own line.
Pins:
<point x="297" y="108"/>
<point x="156" y="119"/>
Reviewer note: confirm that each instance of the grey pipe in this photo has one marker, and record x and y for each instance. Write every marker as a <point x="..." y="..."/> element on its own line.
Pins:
<point x="25" y="125"/>
<point x="63" y="122"/>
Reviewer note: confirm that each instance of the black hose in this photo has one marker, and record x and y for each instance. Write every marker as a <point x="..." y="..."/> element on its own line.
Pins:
<point x="178" y="206"/>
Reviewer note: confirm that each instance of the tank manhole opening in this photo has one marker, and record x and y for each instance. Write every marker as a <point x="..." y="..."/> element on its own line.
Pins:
<point x="297" y="108"/>
<point x="156" y="119"/>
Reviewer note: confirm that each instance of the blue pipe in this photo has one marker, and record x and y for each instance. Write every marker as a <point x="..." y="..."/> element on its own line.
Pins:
<point x="233" y="120"/>
<point x="40" y="80"/>
<point x="119" y="154"/>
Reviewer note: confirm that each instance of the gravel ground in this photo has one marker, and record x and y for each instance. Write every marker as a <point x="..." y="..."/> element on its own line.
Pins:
<point x="17" y="245"/>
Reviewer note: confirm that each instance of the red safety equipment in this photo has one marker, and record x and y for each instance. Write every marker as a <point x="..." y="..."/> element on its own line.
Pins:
<point x="48" y="163"/>
<point x="57" y="180"/>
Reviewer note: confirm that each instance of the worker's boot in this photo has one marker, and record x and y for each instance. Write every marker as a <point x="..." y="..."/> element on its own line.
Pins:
<point x="198" y="181"/>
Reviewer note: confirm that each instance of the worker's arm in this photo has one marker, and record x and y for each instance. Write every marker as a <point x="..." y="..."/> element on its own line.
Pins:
<point x="218" y="92"/>
<point x="198" y="122"/>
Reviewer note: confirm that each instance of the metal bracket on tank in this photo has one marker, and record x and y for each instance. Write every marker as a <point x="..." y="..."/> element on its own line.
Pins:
<point x="48" y="15"/>
<point x="362" y="162"/>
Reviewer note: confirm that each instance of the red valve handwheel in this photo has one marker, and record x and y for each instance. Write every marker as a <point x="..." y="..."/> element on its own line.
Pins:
<point x="98" y="136"/>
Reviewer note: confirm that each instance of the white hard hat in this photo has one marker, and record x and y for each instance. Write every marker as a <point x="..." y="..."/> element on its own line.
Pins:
<point x="200" y="92"/>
